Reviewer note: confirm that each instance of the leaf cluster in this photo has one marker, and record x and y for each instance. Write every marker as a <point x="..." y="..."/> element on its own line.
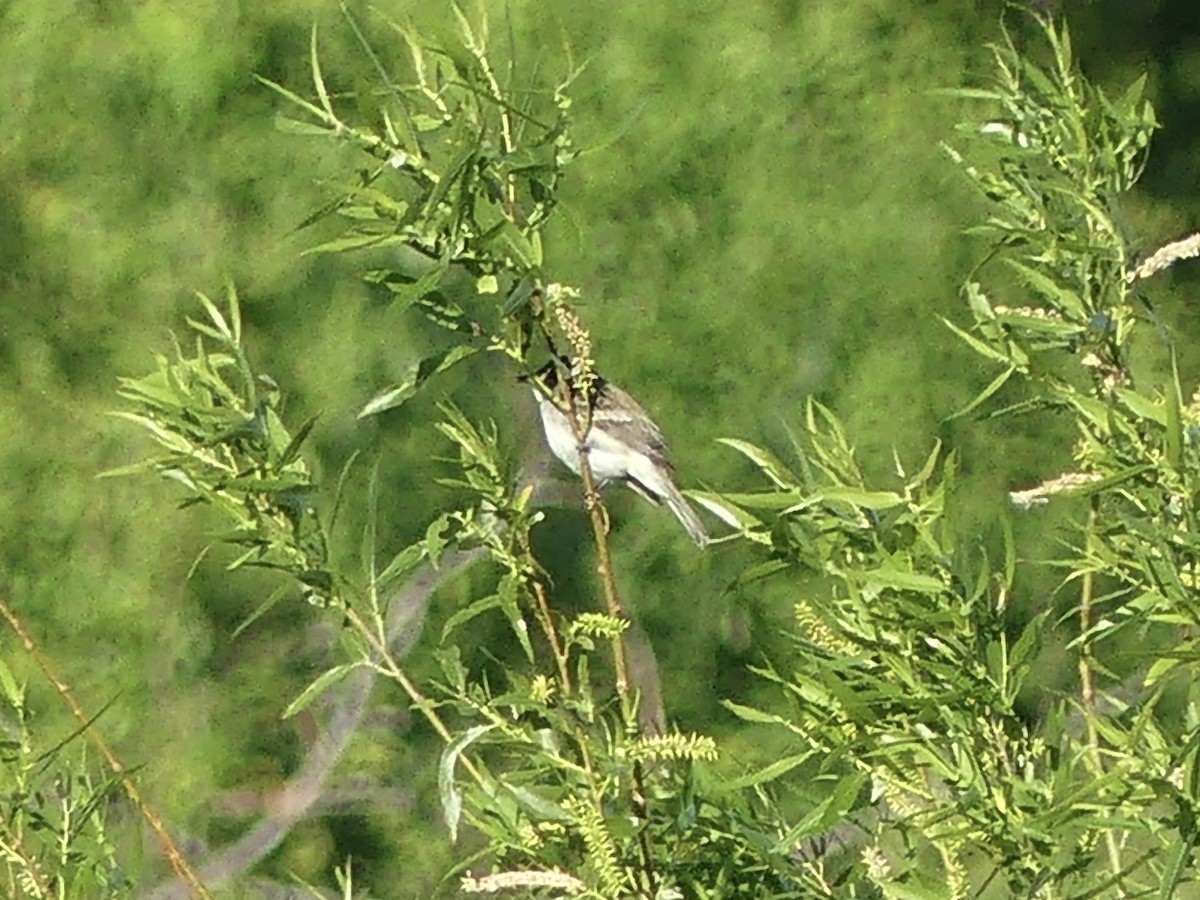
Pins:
<point x="912" y="770"/>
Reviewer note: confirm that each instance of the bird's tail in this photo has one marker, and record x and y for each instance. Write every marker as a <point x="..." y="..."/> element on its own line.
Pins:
<point x="685" y="514"/>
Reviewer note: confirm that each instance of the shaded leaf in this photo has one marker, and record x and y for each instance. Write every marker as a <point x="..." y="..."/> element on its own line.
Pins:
<point x="448" y="791"/>
<point x="324" y="681"/>
<point x="420" y="373"/>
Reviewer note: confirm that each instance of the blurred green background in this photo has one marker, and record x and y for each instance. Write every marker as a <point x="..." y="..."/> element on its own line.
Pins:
<point x="766" y="216"/>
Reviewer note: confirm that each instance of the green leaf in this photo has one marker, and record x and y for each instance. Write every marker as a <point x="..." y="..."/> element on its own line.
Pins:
<point x="829" y="811"/>
<point x="295" y="98"/>
<point x="766" y="461"/>
<point x="1015" y="358"/>
<point x="295" y="126"/>
<point x="1160" y="667"/>
<point x="508" y="593"/>
<point x="768" y="773"/>
<point x="750" y="527"/>
<point x="983" y="396"/>
<point x="900" y="581"/>
<point x="356" y="241"/>
<point x="447" y="790"/>
<point x="873" y="500"/>
<point x="1174" y="423"/>
<point x="13" y="692"/>
<point x="408" y="290"/>
<point x="292" y="450"/>
<point x="770" y="501"/>
<point x="1176" y="865"/>
<point x="402" y="563"/>
<point x="1143" y="407"/>
<point x="750" y="714"/>
<point x="274" y="597"/>
<point x="533" y="802"/>
<point x="318" y="81"/>
<point x="467" y="613"/>
<point x="314" y="690"/>
<point x="419" y="374"/>
<point x="1061" y="298"/>
<point x="451" y="175"/>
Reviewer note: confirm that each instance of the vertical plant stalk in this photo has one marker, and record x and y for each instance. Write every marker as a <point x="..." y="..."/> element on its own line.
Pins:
<point x="552" y="637"/>
<point x="580" y="383"/>
<point x="598" y="515"/>
<point x="1087" y="686"/>
<point x="174" y="855"/>
<point x="476" y="47"/>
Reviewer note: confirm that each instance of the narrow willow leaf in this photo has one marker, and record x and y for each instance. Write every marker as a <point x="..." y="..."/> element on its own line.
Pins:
<point x="750" y="714"/>
<point x="1177" y="864"/>
<point x="14" y="693"/>
<point x="467" y="613"/>
<point x="274" y="597"/>
<point x="448" y="791"/>
<point x="295" y="98"/>
<point x="1160" y="667"/>
<point x="862" y="499"/>
<point x="901" y="581"/>
<point x="314" y="690"/>
<point x="533" y="802"/>
<point x="983" y="396"/>
<point x="984" y="350"/>
<point x="508" y="594"/>
<point x="831" y="810"/>
<point x="730" y="514"/>
<point x="759" y="572"/>
<point x="768" y="773"/>
<point x="770" y="501"/>
<point x="218" y="320"/>
<point x="766" y="461"/>
<point x="1174" y="424"/>
<point x="1143" y="406"/>
<point x="1062" y="298"/>
<point x="318" y="80"/>
<point x="408" y="290"/>
<point x="402" y="563"/>
<point x="295" y="126"/>
<point x="292" y="450"/>
<point x="453" y="171"/>
<point x="355" y="241"/>
<point x="420" y="373"/>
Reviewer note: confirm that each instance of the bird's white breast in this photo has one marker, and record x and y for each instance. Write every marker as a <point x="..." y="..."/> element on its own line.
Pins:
<point x="609" y="459"/>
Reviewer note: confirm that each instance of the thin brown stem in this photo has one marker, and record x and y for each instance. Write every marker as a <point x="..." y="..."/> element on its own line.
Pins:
<point x="174" y="855"/>
<point x="1087" y="687"/>
<point x="604" y="567"/>
<point x="542" y="604"/>
<point x="388" y="665"/>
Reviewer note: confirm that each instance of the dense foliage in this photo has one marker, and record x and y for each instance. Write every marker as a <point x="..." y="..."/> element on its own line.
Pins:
<point x="896" y="753"/>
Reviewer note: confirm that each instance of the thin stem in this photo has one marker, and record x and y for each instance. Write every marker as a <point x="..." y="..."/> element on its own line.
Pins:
<point x="30" y="871"/>
<point x="1087" y="687"/>
<point x="174" y="854"/>
<point x="476" y="46"/>
<point x="581" y="421"/>
<point x="391" y="668"/>
<point x="547" y="622"/>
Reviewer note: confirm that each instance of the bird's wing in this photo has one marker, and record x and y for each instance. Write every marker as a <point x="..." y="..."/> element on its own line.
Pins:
<point x="629" y="421"/>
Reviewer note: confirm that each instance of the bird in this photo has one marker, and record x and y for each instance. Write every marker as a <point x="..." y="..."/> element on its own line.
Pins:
<point x="622" y="442"/>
